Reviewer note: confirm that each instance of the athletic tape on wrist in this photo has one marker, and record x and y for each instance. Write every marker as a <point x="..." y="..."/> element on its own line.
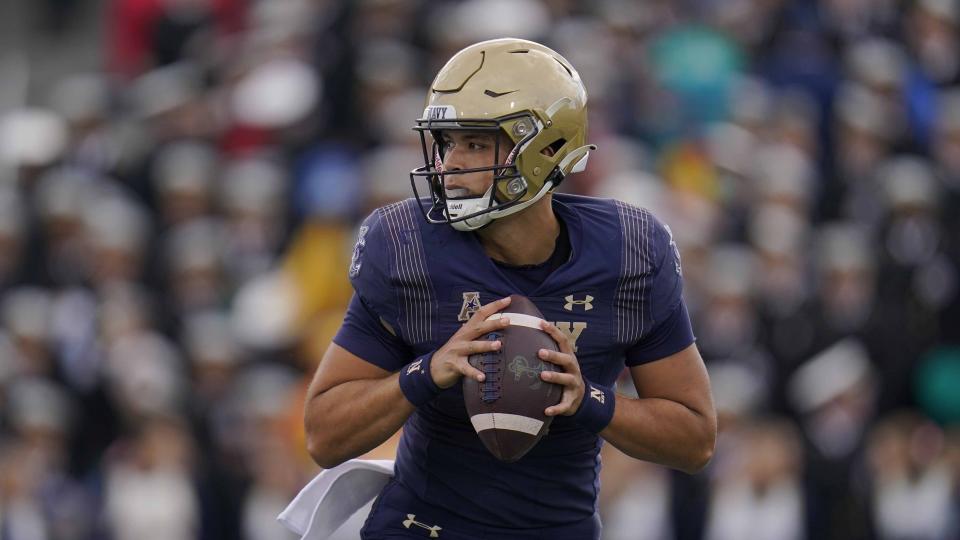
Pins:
<point x="416" y="383"/>
<point x="596" y="409"/>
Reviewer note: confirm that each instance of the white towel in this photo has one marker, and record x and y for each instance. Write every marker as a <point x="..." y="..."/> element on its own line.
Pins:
<point x="324" y="504"/>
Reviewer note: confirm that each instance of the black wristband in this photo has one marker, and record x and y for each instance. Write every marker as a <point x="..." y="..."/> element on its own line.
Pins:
<point x="416" y="383"/>
<point x="596" y="409"/>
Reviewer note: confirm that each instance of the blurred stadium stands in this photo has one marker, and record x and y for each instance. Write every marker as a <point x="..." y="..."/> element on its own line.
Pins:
<point x="179" y="186"/>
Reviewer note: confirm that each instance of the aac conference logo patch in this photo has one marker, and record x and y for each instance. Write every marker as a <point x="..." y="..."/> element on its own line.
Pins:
<point x="471" y="303"/>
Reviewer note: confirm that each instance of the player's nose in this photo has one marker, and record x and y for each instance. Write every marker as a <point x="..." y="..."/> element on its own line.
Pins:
<point x="452" y="160"/>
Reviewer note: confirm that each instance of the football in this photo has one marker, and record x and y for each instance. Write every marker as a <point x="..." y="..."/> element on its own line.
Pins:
<point x="506" y="409"/>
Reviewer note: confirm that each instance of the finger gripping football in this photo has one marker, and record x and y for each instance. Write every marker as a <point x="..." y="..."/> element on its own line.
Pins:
<point x="507" y="408"/>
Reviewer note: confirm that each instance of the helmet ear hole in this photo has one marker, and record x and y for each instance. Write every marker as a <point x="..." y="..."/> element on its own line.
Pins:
<point x="551" y="149"/>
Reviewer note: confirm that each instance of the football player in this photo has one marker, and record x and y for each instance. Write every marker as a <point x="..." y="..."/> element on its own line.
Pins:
<point x="505" y="123"/>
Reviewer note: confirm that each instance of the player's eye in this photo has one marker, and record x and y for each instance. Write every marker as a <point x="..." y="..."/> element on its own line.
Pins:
<point x="477" y="146"/>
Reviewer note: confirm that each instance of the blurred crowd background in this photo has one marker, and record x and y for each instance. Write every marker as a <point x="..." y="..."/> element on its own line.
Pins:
<point x="180" y="181"/>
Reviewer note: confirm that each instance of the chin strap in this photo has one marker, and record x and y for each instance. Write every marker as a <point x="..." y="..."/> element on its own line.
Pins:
<point x="465" y="207"/>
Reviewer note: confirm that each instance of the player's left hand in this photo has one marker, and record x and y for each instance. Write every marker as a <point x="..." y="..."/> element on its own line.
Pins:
<point x="571" y="379"/>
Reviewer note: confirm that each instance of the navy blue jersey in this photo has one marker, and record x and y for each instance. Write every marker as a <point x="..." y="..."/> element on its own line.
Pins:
<point x="618" y="298"/>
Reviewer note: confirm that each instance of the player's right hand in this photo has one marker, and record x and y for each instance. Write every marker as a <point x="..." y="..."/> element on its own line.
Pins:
<point x="450" y="362"/>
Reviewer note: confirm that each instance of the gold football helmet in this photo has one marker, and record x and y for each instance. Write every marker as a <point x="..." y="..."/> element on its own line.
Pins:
<point x="523" y="89"/>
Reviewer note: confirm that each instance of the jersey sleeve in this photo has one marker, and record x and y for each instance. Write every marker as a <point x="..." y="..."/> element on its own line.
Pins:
<point x="671" y="331"/>
<point x="368" y="326"/>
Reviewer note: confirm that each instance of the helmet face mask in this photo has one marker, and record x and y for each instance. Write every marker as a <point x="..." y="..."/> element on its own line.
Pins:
<point x="469" y="212"/>
<point x="543" y="114"/>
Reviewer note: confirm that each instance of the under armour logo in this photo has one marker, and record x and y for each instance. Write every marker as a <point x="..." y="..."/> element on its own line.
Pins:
<point x="414" y="367"/>
<point x="587" y="303"/>
<point x="411" y="521"/>
<point x="597" y="394"/>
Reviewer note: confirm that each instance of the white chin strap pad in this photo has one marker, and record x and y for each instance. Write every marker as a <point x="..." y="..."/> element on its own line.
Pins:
<point x="473" y="223"/>
<point x="464" y="207"/>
